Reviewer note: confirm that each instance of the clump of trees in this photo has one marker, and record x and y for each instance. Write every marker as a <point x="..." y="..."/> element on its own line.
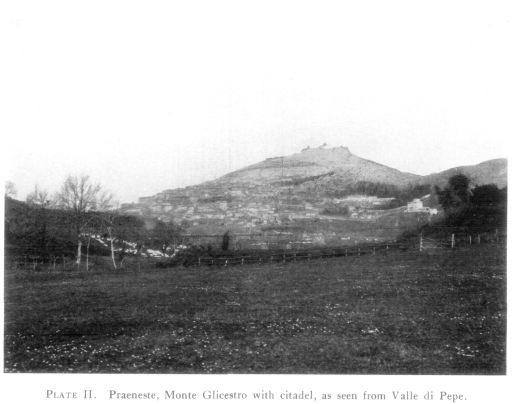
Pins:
<point x="455" y="195"/>
<point x="483" y="207"/>
<point x="302" y="180"/>
<point x="36" y="227"/>
<point x="165" y="235"/>
<point x="342" y="210"/>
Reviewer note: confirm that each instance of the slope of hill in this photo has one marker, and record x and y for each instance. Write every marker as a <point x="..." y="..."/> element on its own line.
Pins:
<point x="315" y="163"/>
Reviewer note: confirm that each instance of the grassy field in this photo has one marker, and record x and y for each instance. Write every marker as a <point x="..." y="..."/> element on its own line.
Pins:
<point x="439" y="312"/>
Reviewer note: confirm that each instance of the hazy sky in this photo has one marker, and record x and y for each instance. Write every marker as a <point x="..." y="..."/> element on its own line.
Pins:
<point x="151" y="95"/>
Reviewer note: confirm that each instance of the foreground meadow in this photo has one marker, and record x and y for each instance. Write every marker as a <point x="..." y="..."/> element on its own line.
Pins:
<point x="438" y="312"/>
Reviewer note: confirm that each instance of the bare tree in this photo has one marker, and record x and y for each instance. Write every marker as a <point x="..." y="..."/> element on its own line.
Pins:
<point x="109" y="224"/>
<point x="124" y="232"/>
<point x="10" y="189"/>
<point x="79" y="195"/>
<point x="91" y="227"/>
<point x="40" y="201"/>
<point x="38" y="197"/>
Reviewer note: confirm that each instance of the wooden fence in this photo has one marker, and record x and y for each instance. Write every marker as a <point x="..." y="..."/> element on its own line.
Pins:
<point x="454" y="240"/>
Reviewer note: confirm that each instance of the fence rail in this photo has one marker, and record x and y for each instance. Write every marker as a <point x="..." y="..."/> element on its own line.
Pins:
<point x="455" y="240"/>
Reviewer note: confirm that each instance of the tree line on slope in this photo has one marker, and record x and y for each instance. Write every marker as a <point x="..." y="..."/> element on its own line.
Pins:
<point x="401" y="195"/>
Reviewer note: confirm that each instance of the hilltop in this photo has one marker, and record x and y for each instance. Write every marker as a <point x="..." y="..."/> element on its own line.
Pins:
<point x="311" y="164"/>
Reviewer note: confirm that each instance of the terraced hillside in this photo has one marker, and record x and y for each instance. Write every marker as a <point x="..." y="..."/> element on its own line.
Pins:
<point x="308" y="190"/>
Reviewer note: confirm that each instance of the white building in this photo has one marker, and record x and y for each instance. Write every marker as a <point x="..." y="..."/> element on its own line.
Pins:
<point x="416" y="206"/>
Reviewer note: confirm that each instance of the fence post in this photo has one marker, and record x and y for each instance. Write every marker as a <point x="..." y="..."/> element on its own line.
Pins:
<point x="478" y="238"/>
<point x="470" y="239"/>
<point x="453" y="240"/>
<point x="199" y="261"/>
<point x="373" y="250"/>
<point x="421" y="242"/>
<point x="346" y="252"/>
<point x="358" y="251"/>
<point x="226" y="263"/>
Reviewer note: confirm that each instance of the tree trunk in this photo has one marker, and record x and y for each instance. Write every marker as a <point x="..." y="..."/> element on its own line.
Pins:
<point x="122" y="256"/>
<point x="139" y="251"/>
<point x="87" y="255"/>
<point x="79" y="252"/>
<point x="112" y="248"/>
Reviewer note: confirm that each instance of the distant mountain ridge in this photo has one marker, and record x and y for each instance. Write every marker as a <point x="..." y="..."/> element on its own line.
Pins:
<point x="488" y="172"/>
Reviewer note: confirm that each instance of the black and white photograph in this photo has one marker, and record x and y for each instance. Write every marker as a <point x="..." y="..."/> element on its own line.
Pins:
<point x="241" y="188"/>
